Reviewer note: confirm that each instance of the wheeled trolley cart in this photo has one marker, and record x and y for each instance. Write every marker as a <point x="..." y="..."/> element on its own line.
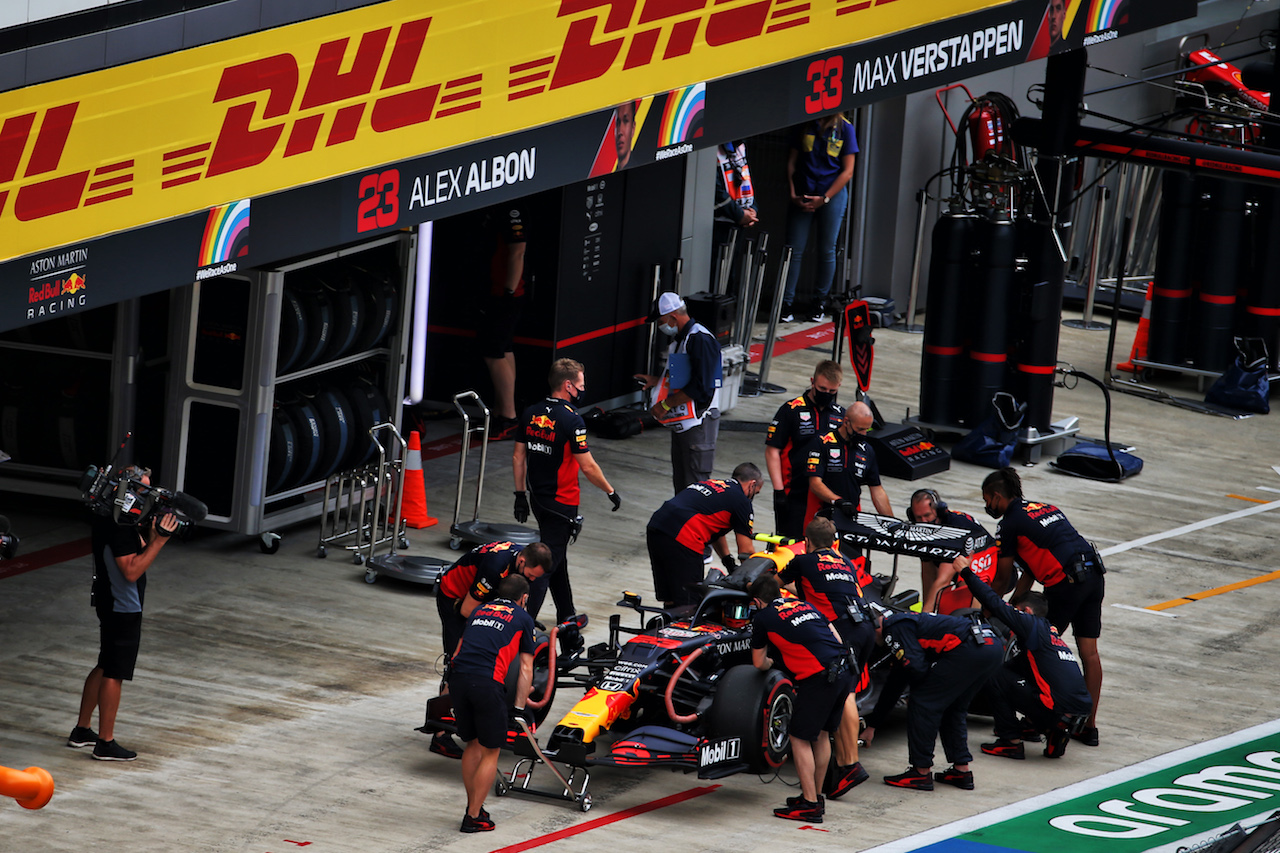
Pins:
<point x="388" y="505"/>
<point x="363" y="504"/>
<point x="475" y="530"/>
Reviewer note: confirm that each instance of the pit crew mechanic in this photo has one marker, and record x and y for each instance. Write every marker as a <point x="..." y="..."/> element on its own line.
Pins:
<point x="839" y="463"/>
<point x="796" y="423"/>
<point x="947" y="659"/>
<point x="496" y="633"/>
<point x="823" y="577"/>
<point x="700" y="515"/>
<point x="1043" y="682"/>
<point x="928" y="507"/>
<point x="1038" y="537"/>
<point x="811" y="652"/>
<point x="550" y="449"/>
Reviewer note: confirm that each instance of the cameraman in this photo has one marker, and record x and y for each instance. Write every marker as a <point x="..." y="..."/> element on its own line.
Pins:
<point x="121" y="556"/>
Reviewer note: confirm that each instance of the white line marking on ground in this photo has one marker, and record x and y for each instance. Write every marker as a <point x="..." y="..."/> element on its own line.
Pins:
<point x="1146" y="610"/>
<point x="1189" y="528"/>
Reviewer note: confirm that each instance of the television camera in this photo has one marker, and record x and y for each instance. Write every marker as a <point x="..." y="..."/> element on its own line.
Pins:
<point x="120" y="494"/>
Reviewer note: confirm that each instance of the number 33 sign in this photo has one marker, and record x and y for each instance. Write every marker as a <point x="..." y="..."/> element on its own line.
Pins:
<point x="826" y="76"/>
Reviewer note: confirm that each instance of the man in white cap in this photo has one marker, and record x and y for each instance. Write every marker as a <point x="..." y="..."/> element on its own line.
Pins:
<point x="686" y="397"/>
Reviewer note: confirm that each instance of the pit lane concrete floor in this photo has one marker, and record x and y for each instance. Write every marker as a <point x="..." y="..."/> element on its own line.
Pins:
<point x="276" y="696"/>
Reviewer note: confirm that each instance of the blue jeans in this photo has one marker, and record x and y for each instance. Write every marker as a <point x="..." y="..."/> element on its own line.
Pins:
<point x="799" y="222"/>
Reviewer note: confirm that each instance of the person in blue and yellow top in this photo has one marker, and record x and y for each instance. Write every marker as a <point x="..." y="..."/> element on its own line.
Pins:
<point x="819" y="168"/>
<point x="499" y="634"/>
<point x="810" y="652"/>
<point x="550" y="450"/>
<point x="699" y="516"/>
<point x="796" y="423"/>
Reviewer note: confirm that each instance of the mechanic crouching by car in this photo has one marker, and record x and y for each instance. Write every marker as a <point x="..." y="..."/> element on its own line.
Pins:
<point x="937" y="578"/>
<point x="830" y="582"/>
<point x="947" y="659"/>
<point x="471" y="581"/>
<point x="1042" y="681"/>
<point x="697" y="517"/>
<point x="497" y="634"/>
<point x="816" y="661"/>
<point x="1039" y="538"/>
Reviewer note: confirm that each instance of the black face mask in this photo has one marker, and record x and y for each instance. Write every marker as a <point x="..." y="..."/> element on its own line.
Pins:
<point x="822" y="399"/>
<point x="991" y="512"/>
<point x="577" y="397"/>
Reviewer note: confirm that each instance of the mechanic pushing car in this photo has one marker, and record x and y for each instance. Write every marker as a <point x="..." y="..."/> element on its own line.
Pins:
<point x="497" y="633"/>
<point x="1039" y="538"/>
<point x="699" y="516"/>
<point x="810" y="650"/>
<point x="1042" y="681"/>
<point x="947" y="659"/>
<point x="823" y="577"/>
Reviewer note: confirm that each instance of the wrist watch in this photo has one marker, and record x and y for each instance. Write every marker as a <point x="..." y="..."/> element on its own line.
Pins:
<point x="826" y="199"/>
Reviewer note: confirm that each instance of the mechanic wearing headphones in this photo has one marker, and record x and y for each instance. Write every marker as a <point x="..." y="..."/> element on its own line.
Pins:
<point x="470" y="582"/>
<point x="937" y="580"/>
<point x="947" y="660"/>
<point x="839" y="463"/>
<point x="1042" y="681"/>
<point x="1039" y="538"/>
<point x="700" y="515"/>
<point x="810" y="651"/>
<point x="823" y="577"/>
<point x="794" y="426"/>
<point x="498" y="633"/>
<point x="550" y="449"/>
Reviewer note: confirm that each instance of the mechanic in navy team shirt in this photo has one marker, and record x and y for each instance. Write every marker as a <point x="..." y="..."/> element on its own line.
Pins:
<point x="810" y="651"/>
<point x="498" y="633"/>
<point x="550" y="450"/>
<point x="1042" y="681"/>
<point x="839" y="463"/>
<point x="938" y="580"/>
<point x="947" y="660"/>
<point x="832" y="583"/>
<point x="786" y="448"/>
<point x="470" y="582"/>
<point x="699" y="516"/>
<point x="1038" y="537"/>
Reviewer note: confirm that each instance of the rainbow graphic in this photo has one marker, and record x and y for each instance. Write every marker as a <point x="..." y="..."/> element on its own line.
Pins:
<point x="1102" y="15"/>
<point x="226" y="233"/>
<point x="682" y="116"/>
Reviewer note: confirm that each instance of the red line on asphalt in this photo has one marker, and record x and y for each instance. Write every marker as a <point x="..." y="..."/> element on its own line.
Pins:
<point x="47" y="557"/>
<point x="606" y="820"/>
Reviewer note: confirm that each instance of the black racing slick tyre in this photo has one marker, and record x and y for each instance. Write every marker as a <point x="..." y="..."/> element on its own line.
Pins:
<point x="757" y="707"/>
<point x="543" y="678"/>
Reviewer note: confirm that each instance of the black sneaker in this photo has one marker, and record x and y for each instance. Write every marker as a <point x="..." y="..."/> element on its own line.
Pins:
<point x="477" y="824"/>
<point x="797" y="800"/>
<point x="1005" y="749"/>
<point x="911" y="779"/>
<point x="503" y="429"/>
<point x="802" y="810"/>
<point x="82" y="736"/>
<point x="848" y="778"/>
<point x="1087" y="736"/>
<point x="962" y="779"/>
<point x="444" y="744"/>
<point x="786" y="316"/>
<point x="109" y="750"/>
<point x="1056" y="744"/>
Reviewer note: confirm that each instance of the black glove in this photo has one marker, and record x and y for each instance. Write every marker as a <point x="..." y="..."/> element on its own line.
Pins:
<point x="779" y="501"/>
<point x="522" y="507"/>
<point x="523" y="714"/>
<point x="616" y="500"/>
<point x="728" y="563"/>
<point x="846" y="506"/>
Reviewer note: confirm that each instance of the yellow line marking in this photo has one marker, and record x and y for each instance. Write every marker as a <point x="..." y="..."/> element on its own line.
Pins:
<point x="1250" y="500"/>
<point x="1208" y="593"/>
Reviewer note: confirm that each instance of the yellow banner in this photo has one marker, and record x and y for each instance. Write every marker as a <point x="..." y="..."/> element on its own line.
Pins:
<point x="163" y="137"/>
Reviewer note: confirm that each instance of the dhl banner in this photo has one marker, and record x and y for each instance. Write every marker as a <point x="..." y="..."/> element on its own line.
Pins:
<point x="167" y="136"/>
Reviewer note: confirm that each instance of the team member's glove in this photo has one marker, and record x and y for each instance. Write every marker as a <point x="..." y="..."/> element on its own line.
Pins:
<point x="728" y="563"/>
<point x="522" y="507"/>
<point x="523" y="714"/>
<point x="779" y="501"/>
<point x="616" y="500"/>
<point x="848" y="507"/>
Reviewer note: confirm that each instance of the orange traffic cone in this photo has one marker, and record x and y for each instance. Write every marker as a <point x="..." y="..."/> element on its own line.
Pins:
<point x="1139" y="350"/>
<point x="32" y="788"/>
<point x="414" y="504"/>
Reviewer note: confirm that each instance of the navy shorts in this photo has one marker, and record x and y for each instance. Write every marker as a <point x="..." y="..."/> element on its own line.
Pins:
<point x="819" y="705"/>
<point x="497" y="335"/>
<point x="480" y="707"/>
<point x="120" y="635"/>
<point x="1078" y="605"/>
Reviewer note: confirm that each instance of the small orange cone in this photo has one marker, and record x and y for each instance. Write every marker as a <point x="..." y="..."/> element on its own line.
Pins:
<point x="1139" y="350"/>
<point x="414" y="505"/>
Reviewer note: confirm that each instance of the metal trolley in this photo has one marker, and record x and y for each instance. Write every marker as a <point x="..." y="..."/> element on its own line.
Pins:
<point x="475" y="530"/>
<point x="363" y="505"/>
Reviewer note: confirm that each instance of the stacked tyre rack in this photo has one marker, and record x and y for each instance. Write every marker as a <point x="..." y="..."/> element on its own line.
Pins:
<point x="279" y="375"/>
